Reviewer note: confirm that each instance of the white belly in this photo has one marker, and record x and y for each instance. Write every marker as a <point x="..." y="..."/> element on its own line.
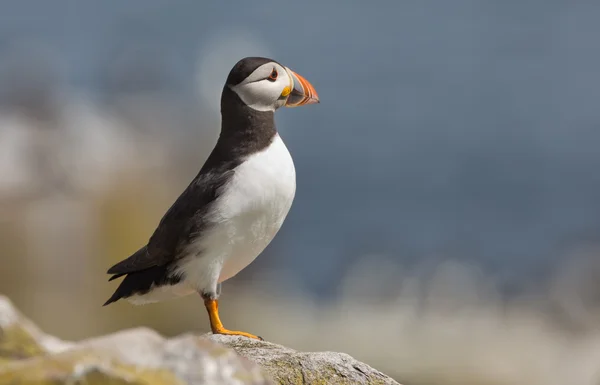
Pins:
<point x="246" y="217"/>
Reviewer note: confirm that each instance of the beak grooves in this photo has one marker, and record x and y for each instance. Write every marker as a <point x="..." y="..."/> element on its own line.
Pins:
<point x="302" y="91"/>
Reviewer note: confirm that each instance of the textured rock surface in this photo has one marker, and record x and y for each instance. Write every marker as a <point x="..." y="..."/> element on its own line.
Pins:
<point x="141" y="356"/>
<point x="288" y="366"/>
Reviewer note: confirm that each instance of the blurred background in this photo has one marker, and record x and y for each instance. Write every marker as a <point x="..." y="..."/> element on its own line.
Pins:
<point x="447" y="219"/>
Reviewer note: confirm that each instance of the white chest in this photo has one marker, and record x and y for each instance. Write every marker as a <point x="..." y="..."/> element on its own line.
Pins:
<point x="262" y="187"/>
<point x="250" y="210"/>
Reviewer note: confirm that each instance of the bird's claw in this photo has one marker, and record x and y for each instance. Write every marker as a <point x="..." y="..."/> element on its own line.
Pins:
<point x="237" y="333"/>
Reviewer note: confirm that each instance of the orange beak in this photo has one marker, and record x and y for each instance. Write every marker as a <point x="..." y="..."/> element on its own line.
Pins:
<point x="302" y="92"/>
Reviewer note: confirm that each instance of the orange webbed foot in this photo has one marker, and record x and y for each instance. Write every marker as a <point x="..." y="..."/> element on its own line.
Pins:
<point x="236" y="333"/>
<point x="212" y="306"/>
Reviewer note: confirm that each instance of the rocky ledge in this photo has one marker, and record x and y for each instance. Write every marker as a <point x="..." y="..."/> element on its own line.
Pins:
<point x="143" y="357"/>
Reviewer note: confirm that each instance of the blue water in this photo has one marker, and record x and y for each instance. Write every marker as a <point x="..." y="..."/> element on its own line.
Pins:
<point x="467" y="128"/>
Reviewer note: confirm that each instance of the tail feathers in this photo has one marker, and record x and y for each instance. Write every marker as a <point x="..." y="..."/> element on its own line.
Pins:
<point x="116" y="276"/>
<point x="136" y="262"/>
<point x="114" y="298"/>
<point x="141" y="282"/>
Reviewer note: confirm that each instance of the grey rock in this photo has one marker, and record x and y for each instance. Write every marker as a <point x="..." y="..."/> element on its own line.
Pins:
<point x="288" y="366"/>
<point x="142" y="356"/>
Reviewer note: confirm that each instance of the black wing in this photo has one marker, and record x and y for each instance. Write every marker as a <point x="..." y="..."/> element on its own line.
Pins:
<point x="183" y="222"/>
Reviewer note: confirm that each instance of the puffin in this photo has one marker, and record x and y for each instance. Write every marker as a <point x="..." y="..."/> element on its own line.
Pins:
<point x="234" y="206"/>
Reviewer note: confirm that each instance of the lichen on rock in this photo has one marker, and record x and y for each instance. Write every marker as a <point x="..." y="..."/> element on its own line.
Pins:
<point x="17" y="343"/>
<point x="82" y="367"/>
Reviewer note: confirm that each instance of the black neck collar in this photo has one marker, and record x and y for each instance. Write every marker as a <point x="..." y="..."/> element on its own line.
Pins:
<point x="244" y="131"/>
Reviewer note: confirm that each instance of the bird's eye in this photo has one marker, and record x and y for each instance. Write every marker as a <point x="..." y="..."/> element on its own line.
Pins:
<point x="273" y="75"/>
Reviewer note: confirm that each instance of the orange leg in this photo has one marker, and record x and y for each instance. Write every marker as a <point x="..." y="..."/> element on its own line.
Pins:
<point x="212" y="306"/>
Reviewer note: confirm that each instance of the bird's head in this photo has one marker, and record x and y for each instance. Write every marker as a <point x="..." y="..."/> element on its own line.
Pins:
<point x="265" y="85"/>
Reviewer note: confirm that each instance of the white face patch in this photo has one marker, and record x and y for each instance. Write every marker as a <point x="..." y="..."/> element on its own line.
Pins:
<point x="261" y="93"/>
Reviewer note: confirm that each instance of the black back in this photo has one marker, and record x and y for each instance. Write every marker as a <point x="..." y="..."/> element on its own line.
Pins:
<point x="244" y="131"/>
